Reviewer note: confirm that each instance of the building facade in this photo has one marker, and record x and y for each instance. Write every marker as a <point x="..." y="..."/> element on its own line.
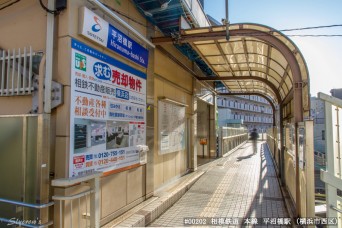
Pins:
<point x="84" y="92"/>
<point x="336" y="93"/>
<point x="317" y="113"/>
<point x="250" y="110"/>
<point x="318" y="116"/>
<point x="108" y="91"/>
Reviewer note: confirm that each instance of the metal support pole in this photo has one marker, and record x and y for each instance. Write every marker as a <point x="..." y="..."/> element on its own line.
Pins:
<point x="95" y="203"/>
<point x="50" y="27"/>
<point x="298" y="117"/>
<point x="282" y="147"/>
<point x="227" y="21"/>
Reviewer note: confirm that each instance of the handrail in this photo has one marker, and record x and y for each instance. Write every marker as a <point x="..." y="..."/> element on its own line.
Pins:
<point x="64" y="182"/>
<point x="26" y="223"/>
<point x="336" y="209"/>
<point x="36" y="206"/>
<point x="76" y="196"/>
<point x="233" y="136"/>
<point x="332" y="100"/>
<point x="93" y="191"/>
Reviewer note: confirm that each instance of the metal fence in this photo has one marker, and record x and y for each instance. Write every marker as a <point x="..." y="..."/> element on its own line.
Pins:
<point x="16" y="72"/>
<point x="230" y="138"/>
<point x="332" y="176"/>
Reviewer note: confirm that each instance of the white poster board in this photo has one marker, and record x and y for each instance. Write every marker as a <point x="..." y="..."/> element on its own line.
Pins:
<point x="107" y="112"/>
<point x="171" y="127"/>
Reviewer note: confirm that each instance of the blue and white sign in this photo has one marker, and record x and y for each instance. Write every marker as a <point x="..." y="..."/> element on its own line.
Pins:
<point x="100" y="31"/>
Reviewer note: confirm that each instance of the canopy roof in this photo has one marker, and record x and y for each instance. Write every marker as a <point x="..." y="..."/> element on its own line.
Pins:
<point x="255" y="59"/>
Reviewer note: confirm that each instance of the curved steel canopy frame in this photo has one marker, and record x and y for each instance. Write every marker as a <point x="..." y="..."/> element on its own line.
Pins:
<point x="277" y="48"/>
<point x="233" y="66"/>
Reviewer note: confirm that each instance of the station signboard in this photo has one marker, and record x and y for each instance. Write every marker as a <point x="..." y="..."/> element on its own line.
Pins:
<point x="100" y="31"/>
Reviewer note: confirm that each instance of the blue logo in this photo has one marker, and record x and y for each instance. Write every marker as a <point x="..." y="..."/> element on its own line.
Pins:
<point x="97" y="26"/>
<point x="102" y="71"/>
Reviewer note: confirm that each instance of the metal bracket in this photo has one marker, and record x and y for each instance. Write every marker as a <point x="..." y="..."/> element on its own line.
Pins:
<point x="299" y="85"/>
<point x="35" y="102"/>
<point x="56" y="94"/>
<point x="176" y="37"/>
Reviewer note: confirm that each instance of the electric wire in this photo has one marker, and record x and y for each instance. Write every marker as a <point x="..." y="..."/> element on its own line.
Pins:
<point x="55" y="12"/>
<point x="258" y="34"/>
<point x="313" y="27"/>
<point x="8" y="4"/>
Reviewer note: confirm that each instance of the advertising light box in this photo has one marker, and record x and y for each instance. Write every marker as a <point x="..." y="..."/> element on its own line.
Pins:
<point x="108" y="112"/>
<point x="100" y="31"/>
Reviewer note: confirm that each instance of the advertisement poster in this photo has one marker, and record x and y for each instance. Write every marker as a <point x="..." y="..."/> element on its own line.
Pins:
<point x="171" y="126"/>
<point x="108" y="112"/>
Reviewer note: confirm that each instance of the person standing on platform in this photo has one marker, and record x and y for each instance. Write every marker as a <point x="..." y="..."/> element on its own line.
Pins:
<point x="254" y="137"/>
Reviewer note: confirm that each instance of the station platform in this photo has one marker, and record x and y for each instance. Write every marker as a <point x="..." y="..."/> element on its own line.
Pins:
<point x="238" y="188"/>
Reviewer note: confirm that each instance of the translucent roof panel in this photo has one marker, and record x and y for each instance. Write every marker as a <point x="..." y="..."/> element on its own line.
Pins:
<point x="249" y="62"/>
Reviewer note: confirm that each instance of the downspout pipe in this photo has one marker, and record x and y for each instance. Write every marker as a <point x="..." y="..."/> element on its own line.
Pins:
<point x="112" y="15"/>
<point x="50" y="27"/>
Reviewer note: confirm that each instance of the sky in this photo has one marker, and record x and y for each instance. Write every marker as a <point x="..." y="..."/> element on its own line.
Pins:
<point x="323" y="55"/>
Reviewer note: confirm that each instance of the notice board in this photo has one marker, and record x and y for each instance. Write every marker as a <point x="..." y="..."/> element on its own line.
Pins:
<point x="171" y="127"/>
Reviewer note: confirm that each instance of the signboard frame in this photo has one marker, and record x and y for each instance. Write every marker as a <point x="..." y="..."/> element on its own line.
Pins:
<point x="108" y="107"/>
<point x="171" y="127"/>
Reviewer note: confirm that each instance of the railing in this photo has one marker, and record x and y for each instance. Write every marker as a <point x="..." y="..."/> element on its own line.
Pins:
<point x="272" y="139"/>
<point x="332" y="176"/>
<point x="320" y="158"/>
<point x="25" y="222"/>
<point x="66" y="207"/>
<point x="16" y="72"/>
<point x="229" y="138"/>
